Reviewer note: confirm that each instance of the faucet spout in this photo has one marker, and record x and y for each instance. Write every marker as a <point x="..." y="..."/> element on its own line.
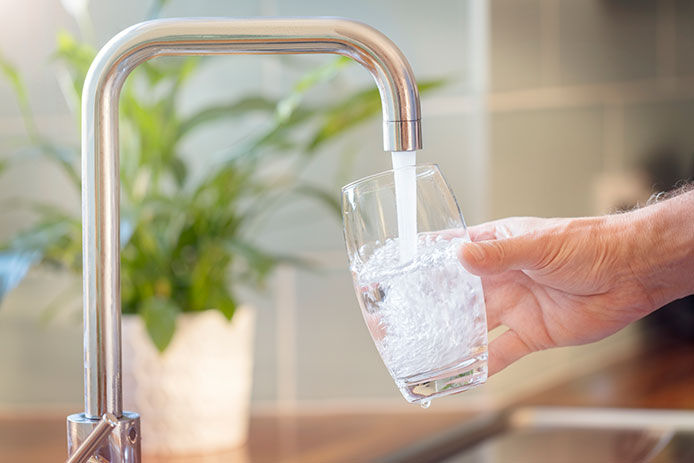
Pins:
<point x="100" y="154"/>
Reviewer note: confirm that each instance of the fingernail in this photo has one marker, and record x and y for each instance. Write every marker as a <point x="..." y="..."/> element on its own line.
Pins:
<point x="476" y="251"/>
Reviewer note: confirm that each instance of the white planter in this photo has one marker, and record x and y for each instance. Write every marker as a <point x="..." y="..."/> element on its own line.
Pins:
<point x="195" y="396"/>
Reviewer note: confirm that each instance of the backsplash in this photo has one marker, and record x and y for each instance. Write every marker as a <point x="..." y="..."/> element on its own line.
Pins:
<point x="548" y="98"/>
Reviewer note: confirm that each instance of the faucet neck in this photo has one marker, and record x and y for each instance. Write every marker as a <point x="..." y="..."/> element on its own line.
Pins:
<point x="100" y="163"/>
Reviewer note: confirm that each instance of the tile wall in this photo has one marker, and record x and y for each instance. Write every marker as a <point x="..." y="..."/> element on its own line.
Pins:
<point x="574" y="91"/>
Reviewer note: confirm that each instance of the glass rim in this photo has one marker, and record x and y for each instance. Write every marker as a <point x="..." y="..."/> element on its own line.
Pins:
<point x="383" y="173"/>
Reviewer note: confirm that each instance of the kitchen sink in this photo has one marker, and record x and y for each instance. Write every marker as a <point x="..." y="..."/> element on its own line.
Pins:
<point x="561" y="435"/>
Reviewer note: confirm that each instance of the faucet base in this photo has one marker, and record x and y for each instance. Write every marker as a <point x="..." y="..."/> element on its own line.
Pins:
<point x="122" y="445"/>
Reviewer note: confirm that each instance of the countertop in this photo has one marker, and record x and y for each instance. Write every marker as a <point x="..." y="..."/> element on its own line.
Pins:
<point x="657" y="376"/>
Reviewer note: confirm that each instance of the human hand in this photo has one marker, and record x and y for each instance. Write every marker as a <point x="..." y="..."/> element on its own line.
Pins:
<point x="560" y="282"/>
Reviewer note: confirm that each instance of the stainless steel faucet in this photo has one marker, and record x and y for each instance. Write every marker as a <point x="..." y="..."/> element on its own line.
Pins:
<point x="104" y="432"/>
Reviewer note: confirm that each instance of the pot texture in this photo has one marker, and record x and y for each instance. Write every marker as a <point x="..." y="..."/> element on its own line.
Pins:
<point x="195" y="396"/>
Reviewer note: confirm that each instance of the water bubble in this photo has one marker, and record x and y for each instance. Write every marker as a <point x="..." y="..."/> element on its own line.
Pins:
<point x="425" y="403"/>
<point x="412" y="338"/>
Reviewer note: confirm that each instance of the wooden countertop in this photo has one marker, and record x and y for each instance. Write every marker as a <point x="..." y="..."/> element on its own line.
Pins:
<point x="279" y="438"/>
<point x="656" y="377"/>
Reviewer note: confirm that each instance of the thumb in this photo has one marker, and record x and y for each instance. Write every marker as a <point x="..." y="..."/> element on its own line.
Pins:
<point x="495" y="256"/>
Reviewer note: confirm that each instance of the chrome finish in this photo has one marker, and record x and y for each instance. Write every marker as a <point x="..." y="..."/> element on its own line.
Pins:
<point x="100" y="175"/>
<point x="94" y="440"/>
<point x="403" y="135"/>
<point x="110" y="439"/>
<point x="100" y="156"/>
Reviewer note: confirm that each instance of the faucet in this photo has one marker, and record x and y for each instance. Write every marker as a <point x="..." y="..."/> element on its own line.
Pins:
<point x="104" y="432"/>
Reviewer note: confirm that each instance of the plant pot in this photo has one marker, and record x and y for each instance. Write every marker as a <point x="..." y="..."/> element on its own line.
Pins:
<point x="195" y="396"/>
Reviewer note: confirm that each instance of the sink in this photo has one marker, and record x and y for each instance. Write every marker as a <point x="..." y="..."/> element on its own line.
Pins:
<point x="561" y="435"/>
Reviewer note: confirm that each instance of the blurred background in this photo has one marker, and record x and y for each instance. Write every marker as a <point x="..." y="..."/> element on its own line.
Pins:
<point x="548" y="108"/>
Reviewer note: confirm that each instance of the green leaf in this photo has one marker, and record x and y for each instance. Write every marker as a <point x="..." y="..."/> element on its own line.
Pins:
<point x="184" y="70"/>
<point x="55" y="239"/>
<point x="14" y="265"/>
<point x="77" y="57"/>
<point x="58" y="303"/>
<point x="187" y="235"/>
<point x="345" y="115"/>
<point x="259" y="261"/>
<point x="427" y="86"/>
<point x="66" y="157"/>
<point x="179" y="170"/>
<point x="47" y="232"/>
<point x="353" y="110"/>
<point x="15" y="80"/>
<point x="17" y="83"/>
<point x="159" y="316"/>
<point x="239" y="108"/>
<point x="328" y="199"/>
<point x="58" y="240"/>
<point x="321" y="74"/>
<point x="287" y="106"/>
<point x="227" y="306"/>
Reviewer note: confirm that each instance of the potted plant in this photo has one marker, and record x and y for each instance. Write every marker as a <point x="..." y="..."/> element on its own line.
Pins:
<point x="187" y="239"/>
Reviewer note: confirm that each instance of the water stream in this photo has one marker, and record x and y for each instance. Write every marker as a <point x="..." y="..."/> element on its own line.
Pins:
<point x="406" y="202"/>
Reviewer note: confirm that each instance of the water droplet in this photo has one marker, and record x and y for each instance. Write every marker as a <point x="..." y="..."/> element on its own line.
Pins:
<point x="425" y="403"/>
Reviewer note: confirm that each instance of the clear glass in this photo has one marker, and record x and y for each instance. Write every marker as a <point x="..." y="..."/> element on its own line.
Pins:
<point x="426" y="313"/>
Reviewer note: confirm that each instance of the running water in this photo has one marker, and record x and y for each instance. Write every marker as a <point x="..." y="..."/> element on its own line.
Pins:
<point x="406" y="202"/>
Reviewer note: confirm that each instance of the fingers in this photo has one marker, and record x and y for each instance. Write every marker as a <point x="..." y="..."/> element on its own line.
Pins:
<point x="505" y="350"/>
<point x="489" y="257"/>
<point x="484" y="231"/>
<point x="507" y="244"/>
<point x="506" y="228"/>
<point x="493" y="320"/>
<point x="499" y="297"/>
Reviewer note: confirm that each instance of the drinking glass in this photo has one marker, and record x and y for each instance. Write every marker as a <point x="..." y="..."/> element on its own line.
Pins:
<point x="424" y="311"/>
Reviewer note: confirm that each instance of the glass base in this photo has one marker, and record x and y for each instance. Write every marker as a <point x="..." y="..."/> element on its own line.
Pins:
<point x="465" y="375"/>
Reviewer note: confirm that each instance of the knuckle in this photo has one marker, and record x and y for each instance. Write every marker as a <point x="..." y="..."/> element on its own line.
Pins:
<point x="496" y="252"/>
<point x="550" y="253"/>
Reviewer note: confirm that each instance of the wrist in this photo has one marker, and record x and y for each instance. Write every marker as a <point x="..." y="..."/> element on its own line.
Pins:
<point x="662" y="237"/>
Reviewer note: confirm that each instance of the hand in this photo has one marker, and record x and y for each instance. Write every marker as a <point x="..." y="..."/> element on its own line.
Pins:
<point x="560" y="282"/>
